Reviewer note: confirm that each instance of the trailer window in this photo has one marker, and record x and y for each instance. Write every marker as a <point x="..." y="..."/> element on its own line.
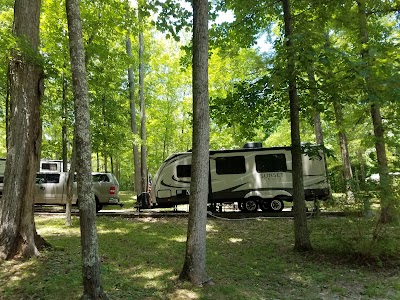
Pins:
<point x="271" y="163"/>
<point x="184" y="171"/>
<point x="230" y="165"/>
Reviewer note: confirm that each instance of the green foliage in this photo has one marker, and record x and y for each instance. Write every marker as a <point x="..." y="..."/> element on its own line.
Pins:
<point x="248" y="88"/>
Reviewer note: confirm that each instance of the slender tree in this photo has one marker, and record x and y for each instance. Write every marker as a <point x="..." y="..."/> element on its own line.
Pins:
<point x="136" y="158"/>
<point x="17" y="227"/>
<point x="92" y="288"/>
<point x="142" y="103"/>
<point x="302" y="239"/>
<point x="194" y="268"/>
<point x="387" y="205"/>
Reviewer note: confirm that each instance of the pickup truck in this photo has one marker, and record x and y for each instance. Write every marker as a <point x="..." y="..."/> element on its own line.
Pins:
<point x="51" y="189"/>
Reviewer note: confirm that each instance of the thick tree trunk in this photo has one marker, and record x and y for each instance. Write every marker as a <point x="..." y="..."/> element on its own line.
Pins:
<point x="135" y="149"/>
<point x="194" y="268"/>
<point x="17" y="228"/>
<point x="302" y="239"/>
<point x="89" y="244"/>
<point x="387" y="203"/>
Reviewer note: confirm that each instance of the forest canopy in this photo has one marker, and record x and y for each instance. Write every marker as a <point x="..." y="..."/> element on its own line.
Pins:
<point x="247" y="78"/>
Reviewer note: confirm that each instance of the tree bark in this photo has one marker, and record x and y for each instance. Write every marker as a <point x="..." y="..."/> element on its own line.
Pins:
<point x="17" y="227"/>
<point x="65" y="123"/>
<point x="70" y="185"/>
<point x="92" y="288"/>
<point x="302" y="239"/>
<point x="319" y="136"/>
<point x="342" y="137"/>
<point x="142" y="111"/>
<point x="194" y="268"/>
<point x="387" y="204"/>
<point x="135" y="149"/>
<point x="344" y="150"/>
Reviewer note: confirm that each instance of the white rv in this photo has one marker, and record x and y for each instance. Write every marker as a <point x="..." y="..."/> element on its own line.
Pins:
<point x="251" y="177"/>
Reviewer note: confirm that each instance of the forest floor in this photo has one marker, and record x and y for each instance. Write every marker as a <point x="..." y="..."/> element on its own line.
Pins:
<point x="141" y="258"/>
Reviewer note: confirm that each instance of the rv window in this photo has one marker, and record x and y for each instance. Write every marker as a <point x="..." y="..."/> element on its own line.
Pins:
<point x="271" y="163"/>
<point x="47" y="178"/>
<point x="49" y="166"/>
<point x="183" y="171"/>
<point x="230" y="165"/>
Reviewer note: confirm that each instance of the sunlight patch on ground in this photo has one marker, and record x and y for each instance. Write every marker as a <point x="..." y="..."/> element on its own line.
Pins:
<point x="235" y="240"/>
<point x="179" y="239"/>
<point x="152" y="274"/>
<point x="18" y="271"/>
<point x="182" y="294"/>
<point x="114" y="230"/>
<point x="211" y="228"/>
<point x="153" y="278"/>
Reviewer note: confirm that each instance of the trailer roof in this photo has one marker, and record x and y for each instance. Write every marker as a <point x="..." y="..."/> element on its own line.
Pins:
<point x="239" y="150"/>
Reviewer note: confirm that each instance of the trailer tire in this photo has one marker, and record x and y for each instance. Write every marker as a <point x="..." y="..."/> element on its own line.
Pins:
<point x="250" y="205"/>
<point x="265" y="205"/>
<point x="276" y="205"/>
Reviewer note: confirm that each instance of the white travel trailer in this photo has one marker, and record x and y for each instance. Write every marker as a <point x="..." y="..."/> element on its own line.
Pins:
<point x="252" y="177"/>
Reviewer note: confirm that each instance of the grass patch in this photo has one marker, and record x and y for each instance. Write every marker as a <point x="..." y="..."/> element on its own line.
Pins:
<point x="247" y="259"/>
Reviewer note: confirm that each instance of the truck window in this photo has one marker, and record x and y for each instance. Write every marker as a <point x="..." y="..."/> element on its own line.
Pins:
<point x="100" y="178"/>
<point x="271" y="163"/>
<point x="183" y="171"/>
<point x="230" y="165"/>
<point x="49" y="166"/>
<point x="47" y="178"/>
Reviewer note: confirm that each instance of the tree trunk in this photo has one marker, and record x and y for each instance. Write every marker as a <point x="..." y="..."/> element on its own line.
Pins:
<point x="302" y="239"/>
<point x="65" y="123"/>
<point x="346" y="164"/>
<point x="70" y="183"/>
<point x="319" y="136"/>
<point x="135" y="149"/>
<point x="342" y="136"/>
<point x="142" y="110"/>
<point x="387" y="203"/>
<point x="89" y="244"/>
<point x="104" y="133"/>
<point x="17" y="227"/>
<point x="194" y="268"/>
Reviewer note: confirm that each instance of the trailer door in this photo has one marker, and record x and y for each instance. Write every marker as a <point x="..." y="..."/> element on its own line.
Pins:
<point x="229" y="180"/>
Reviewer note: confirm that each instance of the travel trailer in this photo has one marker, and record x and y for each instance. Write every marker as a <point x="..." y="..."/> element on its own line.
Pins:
<point x="252" y="177"/>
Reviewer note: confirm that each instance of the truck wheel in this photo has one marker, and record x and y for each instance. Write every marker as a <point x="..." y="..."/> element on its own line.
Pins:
<point x="265" y="205"/>
<point x="250" y="205"/>
<point x="99" y="206"/>
<point x="276" y="205"/>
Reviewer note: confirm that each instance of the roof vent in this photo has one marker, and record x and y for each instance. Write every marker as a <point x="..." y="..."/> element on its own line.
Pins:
<point x="253" y="145"/>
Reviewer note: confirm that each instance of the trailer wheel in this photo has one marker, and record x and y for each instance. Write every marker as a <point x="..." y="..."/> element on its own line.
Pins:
<point x="250" y="205"/>
<point x="276" y="205"/>
<point x="265" y="205"/>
